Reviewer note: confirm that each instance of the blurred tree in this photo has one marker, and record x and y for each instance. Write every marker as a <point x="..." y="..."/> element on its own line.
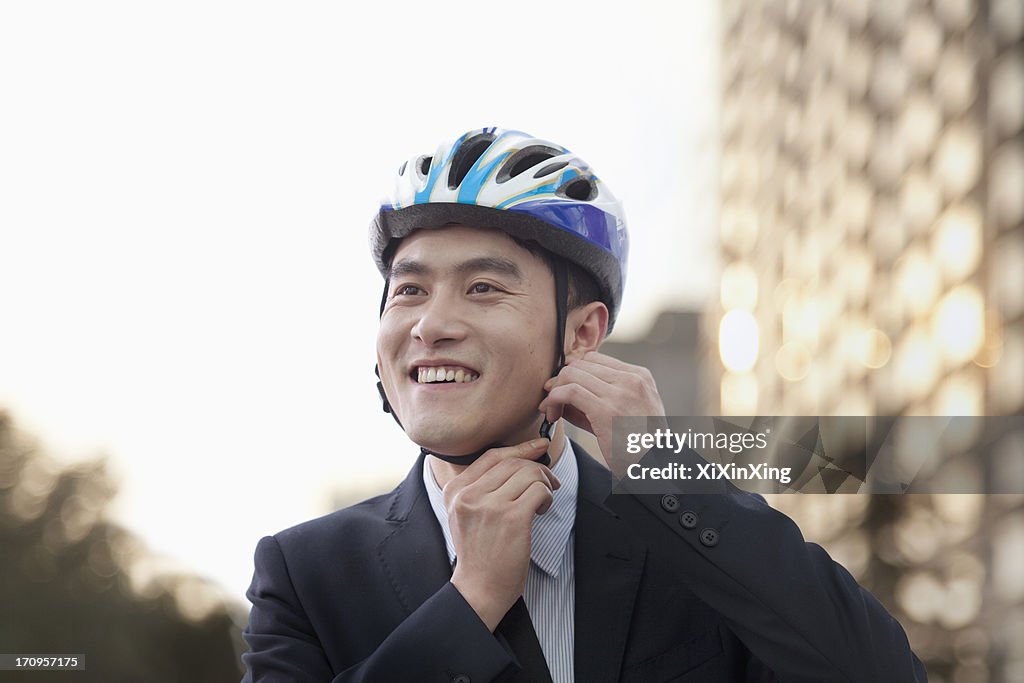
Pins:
<point x="66" y="585"/>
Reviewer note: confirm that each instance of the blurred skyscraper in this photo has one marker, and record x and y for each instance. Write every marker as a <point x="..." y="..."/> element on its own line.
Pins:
<point x="670" y="350"/>
<point x="871" y="222"/>
<point x="872" y="237"/>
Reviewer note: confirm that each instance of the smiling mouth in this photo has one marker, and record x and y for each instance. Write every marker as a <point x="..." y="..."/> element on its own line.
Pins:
<point x="444" y="375"/>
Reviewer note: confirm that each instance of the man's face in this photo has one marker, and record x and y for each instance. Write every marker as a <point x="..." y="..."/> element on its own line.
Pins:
<point x="468" y="304"/>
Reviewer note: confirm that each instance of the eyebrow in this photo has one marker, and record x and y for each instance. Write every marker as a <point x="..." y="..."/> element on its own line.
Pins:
<point x="498" y="265"/>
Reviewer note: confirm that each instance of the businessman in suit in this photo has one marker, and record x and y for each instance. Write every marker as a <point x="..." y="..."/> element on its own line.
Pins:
<point x="503" y="555"/>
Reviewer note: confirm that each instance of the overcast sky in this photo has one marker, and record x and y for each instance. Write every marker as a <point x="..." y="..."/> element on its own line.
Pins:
<point x="185" y="190"/>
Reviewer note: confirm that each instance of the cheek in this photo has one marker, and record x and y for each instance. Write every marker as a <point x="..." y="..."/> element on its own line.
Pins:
<point x="539" y="358"/>
<point x="389" y="341"/>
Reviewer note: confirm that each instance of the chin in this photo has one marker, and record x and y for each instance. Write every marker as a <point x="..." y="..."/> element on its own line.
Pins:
<point x="448" y="441"/>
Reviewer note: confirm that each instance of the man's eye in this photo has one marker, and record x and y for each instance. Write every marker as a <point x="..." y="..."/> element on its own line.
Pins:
<point x="408" y="290"/>
<point x="483" y="288"/>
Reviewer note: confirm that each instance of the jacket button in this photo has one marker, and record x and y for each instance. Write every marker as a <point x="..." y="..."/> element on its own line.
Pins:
<point x="709" y="537"/>
<point x="462" y="678"/>
<point x="688" y="519"/>
<point x="669" y="503"/>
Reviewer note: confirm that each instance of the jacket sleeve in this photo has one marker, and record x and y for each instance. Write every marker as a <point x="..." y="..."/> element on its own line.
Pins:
<point x="440" y="641"/>
<point x="796" y="609"/>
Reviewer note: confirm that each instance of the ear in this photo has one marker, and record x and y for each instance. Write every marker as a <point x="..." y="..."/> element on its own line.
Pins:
<point x="585" y="328"/>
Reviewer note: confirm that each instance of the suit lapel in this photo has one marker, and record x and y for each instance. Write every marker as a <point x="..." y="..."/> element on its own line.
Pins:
<point x="413" y="555"/>
<point x="609" y="564"/>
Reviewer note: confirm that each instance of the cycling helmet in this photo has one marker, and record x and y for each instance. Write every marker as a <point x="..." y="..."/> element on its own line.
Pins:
<point x="531" y="189"/>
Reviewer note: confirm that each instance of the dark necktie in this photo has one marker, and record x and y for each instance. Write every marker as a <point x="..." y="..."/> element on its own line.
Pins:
<point x="517" y="631"/>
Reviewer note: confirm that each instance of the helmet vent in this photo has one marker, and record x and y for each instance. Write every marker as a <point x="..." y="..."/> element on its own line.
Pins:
<point x="467" y="155"/>
<point x="401" y="169"/>
<point x="423" y="165"/>
<point x="524" y="160"/>
<point x="581" y="189"/>
<point x="551" y="168"/>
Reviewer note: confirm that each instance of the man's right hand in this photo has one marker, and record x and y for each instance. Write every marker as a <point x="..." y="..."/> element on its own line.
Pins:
<point x="491" y="505"/>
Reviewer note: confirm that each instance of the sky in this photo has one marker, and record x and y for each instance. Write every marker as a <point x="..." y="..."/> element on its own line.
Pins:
<point x="185" y="193"/>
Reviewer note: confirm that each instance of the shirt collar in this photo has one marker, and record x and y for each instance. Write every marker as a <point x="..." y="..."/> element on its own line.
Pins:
<point x="551" y="531"/>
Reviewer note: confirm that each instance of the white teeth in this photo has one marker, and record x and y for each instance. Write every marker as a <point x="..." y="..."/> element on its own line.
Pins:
<point x="442" y="374"/>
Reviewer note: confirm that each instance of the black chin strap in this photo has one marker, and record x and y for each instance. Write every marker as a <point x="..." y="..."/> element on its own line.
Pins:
<point x="561" y="310"/>
<point x="546" y="428"/>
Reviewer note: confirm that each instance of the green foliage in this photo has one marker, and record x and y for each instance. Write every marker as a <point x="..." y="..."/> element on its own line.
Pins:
<point x="65" y="584"/>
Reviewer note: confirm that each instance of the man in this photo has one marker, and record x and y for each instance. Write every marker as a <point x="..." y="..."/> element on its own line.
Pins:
<point x="503" y="556"/>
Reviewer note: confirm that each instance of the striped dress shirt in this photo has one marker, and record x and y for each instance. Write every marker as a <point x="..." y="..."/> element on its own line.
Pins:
<point x="550" y="580"/>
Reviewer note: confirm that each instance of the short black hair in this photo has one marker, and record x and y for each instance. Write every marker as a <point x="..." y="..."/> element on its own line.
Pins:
<point x="581" y="285"/>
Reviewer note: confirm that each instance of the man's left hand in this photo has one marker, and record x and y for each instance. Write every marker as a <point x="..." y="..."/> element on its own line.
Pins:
<point x="590" y="391"/>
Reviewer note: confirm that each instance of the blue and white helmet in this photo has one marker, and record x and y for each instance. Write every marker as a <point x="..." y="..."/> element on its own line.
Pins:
<point x="530" y="188"/>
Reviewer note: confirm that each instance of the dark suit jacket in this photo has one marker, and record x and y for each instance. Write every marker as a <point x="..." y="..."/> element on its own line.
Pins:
<point x="363" y="594"/>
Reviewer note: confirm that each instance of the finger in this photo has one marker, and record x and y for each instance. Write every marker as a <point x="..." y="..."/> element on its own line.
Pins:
<point x="496" y="477"/>
<point x="580" y="375"/>
<point x="565" y="375"/>
<point x="529" y="450"/>
<point x="537" y="499"/>
<point x="571" y="396"/>
<point x="613" y="363"/>
<point x="603" y="372"/>
<point x="632" y="381"/>
<point x="552" y="410"/>
<point x="523" y="479"/>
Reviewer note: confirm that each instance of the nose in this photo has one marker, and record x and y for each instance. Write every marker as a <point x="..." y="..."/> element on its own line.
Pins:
<point x="441" y="320"/>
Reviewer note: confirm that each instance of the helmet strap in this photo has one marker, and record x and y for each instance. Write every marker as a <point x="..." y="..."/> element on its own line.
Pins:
<point x="561" y="310"/>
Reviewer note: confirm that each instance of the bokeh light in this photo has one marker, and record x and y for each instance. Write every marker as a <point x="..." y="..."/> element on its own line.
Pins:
<point x="738" y="340"/>
<point x="956" y="245"/>
<point x="959" y="323"/>
<point x="739" y="392"/>
<point x="739" y="286"/>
